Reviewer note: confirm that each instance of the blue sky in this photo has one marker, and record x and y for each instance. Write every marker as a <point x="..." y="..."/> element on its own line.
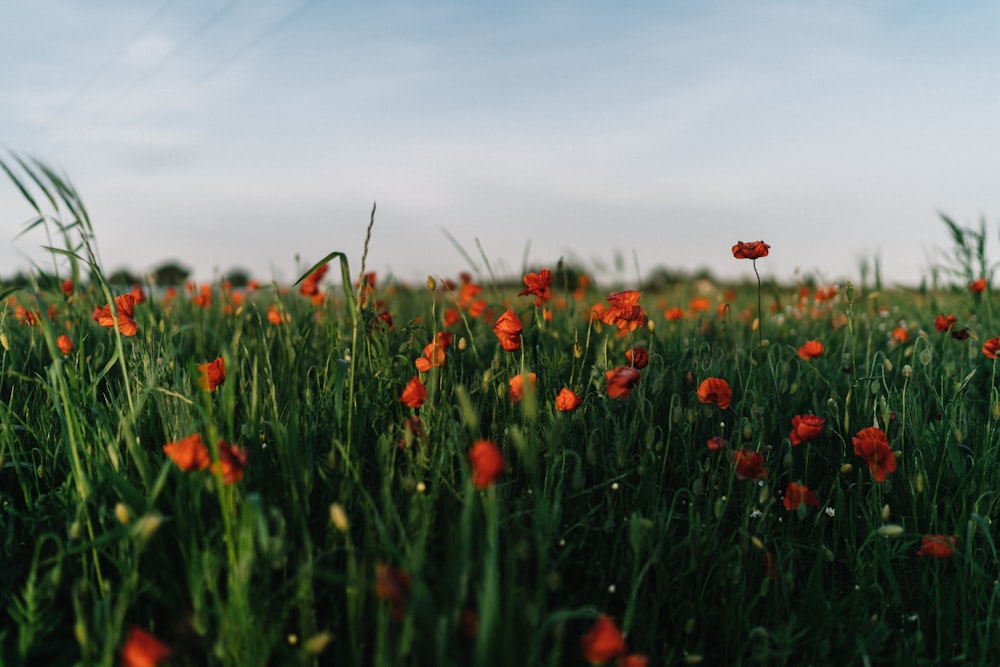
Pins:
<point x="245" y="133"/>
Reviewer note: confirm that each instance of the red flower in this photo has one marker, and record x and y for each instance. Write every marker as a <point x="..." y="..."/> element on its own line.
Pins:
<point x="872" y="445"/>
<point x="414" y="394"/>
<point x="673" y="314"/>
<point x="567" y="400"/>
<point x="603" y="642"/>
<point x="188" y="453"/>
<point x="796" y="494"/>
<point x="621" y="380"/>
<point x="991" y="347"/>
<point x="633" y="660"/>
<point x="486" y="463"/>
<point x="310" y="286"/>
<point x="944" y="322"/>
<point x="393" y="585"/>
<point x="508" y="331"/>
<point x="64" y="344"/>
<point x="978" y="286"/>
<point x="538" y="284"/>
<point x="67" y="287"/>
<point x="516" y="394"/>
<point x="806" y="428"/>
<point x="715" y="390"/>
<point x="937" y="546"/>
<point x="274" y="316"/>
<point x="213" y="374"/>
<point x="716" y="443"/>
<point x="900" y="335"/>
<point x="624" y="312"/>
<point x="750" y="250"/>
<point x="433" y="356"/>
<point x="638" y="357"/>
<point x="232" y="461"/>
<point x="749" y="464"/>
<point x="142" y="649"/>
<point x="811" y="349"/>
<point x="124" y="305"/>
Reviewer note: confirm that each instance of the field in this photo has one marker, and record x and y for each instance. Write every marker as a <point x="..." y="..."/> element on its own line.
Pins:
<point x="544" y="471"/>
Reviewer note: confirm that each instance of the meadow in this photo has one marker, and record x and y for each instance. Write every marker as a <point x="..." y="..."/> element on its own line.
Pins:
<point x="477" y="471"/>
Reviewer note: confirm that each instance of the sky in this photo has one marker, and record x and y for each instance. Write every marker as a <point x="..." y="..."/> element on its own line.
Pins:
<point x="623" y="137"/>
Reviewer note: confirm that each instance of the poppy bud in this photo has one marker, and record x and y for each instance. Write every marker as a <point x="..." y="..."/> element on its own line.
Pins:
<point x="431" y="284"/>
<point x="122" y="513"/>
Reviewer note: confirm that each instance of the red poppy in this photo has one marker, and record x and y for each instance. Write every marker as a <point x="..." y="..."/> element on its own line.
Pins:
<point x="538" y="284"/>
<point x="798" y="494"/>
<point x="142" y="649"/>
<point x="451" y="317"/>
<point x="872" y="445"/>
<point x="811" y="349"/>
<point x="125" y="306"/>
<point x="310" y="286"/>
<point x="638" y="357"/>
<point x="621" y="380"/>
<point x="673" y="314"/>
<point x="633" y="660"/>
<point x="486" y="462"/>
<point x="213" y="373"/>
<point x="900" y="335"/>
<point x="274" y="316"/>
<point x="508" y="331"/>
<point x="937" y="546"/>
<point x="25" y="316"/>
<point x="67" y="287"/>
<point x="232" y="461"/>
<point x="516" y="394"/>
<point x="64" y="344"/>
<point x="944" y="322"/>
<point x="567" y="400"/>
<point x="624" y="312"/>
<point x="433" y="355"/>
<point x="978" y="286"/>
<point x="188" y="453"/>
<point x="715" y="390"/>
<point x="603" y="642"/>
<point x="991" y="347"/>
<point x="415" y="393"/>
<point x="716" y="443"/>
<point x="750" y="250"/>
<point x="806" y="428"/>
<point x="749" y="464"/>
<point x="393" y="585"/>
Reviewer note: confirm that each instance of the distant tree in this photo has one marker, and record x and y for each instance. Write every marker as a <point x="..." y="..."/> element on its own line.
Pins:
<point x="171" y="274"/>
<point x="122" y="278"/>
<point x="19" y="279"/>
<point x="238" y="277"/>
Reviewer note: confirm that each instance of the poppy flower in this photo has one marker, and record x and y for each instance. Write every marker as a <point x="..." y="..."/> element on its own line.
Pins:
<point x="232" y="461"/>
<point x="633" y="660"/>
<point x="603" y="642"/>
<point x="451" y="317"/>
<point x="937" y="546"/>
<point x="900" y="335"/>
<point x="142" y="649"/>
<point x="624" y="311"/>
<point x="213" y="373"/>
<point x="125" y="307"/>
<point x="188" y="453"/>
<point x="274" y="316"/>
<point x="716" y="443"/>
<point x="811" y="349"/>
<point x="620" y="381"/>
<point x="508" y="331"/>
<point x="991" y="347"/>
<point x="715" y="390"/>
<point x="486" y="462"/>
<point x="872" y="445"/>
<point x="798" y="494"/>
<point x="806" y="428"/>
<point x="538" y="284"/>
<point x="978" y="286"/>
<point x="516" y="394"/>
<point x="393" y="585"/>
<point x="25" y="316"/>
<point x="638" y="357"/>
<point x="64" y="344"/>
<point x="567" y="400"/>
<point x="415" y="393"/>
<point x="310" y="286"/>
<point x="673" y="314"/>
<point x="944" y="322"/>
<point x="750" y="250"/>
<point x="749" y="464"/>
<point x="67" y="287"/>
<point x="433" y="355"/>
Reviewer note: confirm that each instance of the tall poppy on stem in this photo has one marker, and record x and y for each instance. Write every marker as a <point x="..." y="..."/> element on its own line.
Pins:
<point x="508" y="331"/>
<point x="872" y="445"/>
<point x="486" y="462"/>
<point x="715" y="390"/>
<point x="124" y="307"/>
<point x="621" y="380"/>
<point x="213" y="374"/>
<point x="539" y="285"/>
<point x="753" y="250"/>
<point x="414" y="394"/>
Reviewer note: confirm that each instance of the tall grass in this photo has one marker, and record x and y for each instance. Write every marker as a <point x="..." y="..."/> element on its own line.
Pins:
<point x="356" y="536"/>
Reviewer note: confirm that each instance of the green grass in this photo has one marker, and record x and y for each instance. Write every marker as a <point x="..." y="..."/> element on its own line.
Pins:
<point x="617" y="507"/>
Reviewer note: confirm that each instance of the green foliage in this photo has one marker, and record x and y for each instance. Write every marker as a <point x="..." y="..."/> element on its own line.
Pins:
<point x="356" y="536"/>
